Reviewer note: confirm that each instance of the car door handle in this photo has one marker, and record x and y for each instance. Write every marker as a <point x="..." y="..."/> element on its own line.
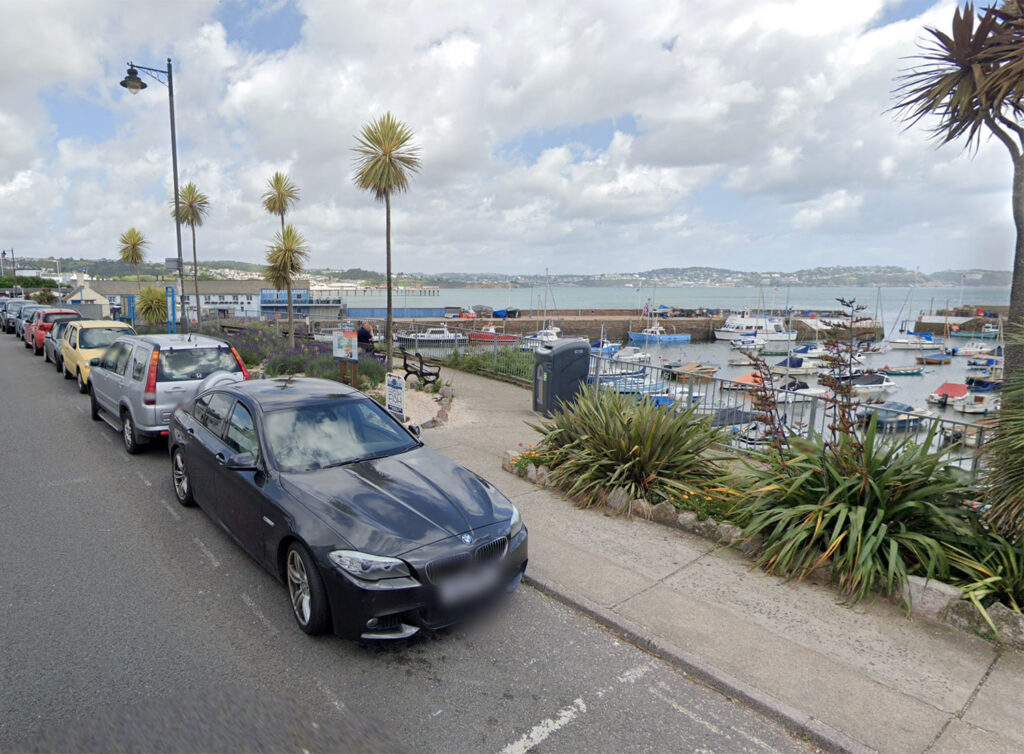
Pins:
<point x="191" y="432"/>
<point x="267" y="521"/>
<point x="221" y="458"/>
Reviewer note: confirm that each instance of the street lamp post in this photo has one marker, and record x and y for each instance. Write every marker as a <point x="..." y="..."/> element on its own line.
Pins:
<point x="134" y="84"/>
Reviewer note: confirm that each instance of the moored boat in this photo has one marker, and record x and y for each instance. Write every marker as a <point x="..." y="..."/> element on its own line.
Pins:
<point x="947" y="392"/>
<point x="901" y="371"/>
<point x="492" y="335"/>
<point x="658" y="334"/>
<point x="432" y="336"/>
<point x="894" y="416"/>
<point x="869" y="385"/>
<point x="934" y="358"/>
<point x="540" y="338"/>
<point x="915" y="340"/>
<point x="977" y="403"/>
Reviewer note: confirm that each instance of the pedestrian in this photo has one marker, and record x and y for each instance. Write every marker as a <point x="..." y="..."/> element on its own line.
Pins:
<point x="364" y="335"/>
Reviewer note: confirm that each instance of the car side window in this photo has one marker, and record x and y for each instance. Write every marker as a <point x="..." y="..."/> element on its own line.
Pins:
<point x="71" y="337"/>
<point x="139" y="364"/>
<point x="110" y="357"/>
<point x="199" y="409"/>
<point x="241" y="435"/>
<point x="121" y="363"/>
<point x="216" y="413"/>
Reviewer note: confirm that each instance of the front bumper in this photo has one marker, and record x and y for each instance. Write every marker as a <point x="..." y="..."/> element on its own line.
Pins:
<point x="398" y="608"/>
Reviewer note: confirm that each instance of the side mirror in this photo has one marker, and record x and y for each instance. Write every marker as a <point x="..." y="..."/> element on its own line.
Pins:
<point x="414" y="430"/>
<point x="241" y="462"/>
<point x="95" y="362"/>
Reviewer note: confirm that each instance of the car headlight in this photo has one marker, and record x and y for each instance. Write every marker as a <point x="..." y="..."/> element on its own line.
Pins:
<point x="368" y="567"/>
<point x="516" y="525"/>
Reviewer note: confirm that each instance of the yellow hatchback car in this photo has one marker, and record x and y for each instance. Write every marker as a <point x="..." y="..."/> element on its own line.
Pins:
<point x="84" y="340"/>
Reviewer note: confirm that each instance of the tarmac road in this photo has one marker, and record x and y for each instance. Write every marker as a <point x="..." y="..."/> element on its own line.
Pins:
<point x="129" y="623"/>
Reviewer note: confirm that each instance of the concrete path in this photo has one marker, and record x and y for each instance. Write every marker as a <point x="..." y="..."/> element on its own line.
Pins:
<point x="855" y="678"/>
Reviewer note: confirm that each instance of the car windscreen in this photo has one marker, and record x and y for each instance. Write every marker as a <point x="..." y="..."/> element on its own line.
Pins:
<point x="56" y="317"/>
<point x="14" y="308"/>
<point x="99" y="337"/>
<point x="195" y="363"/>
<point x="59" y="326"/>
<point x="331" y="434"/>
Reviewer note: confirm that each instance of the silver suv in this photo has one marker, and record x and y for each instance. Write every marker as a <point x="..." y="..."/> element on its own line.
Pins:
<point x="136" y="385"/>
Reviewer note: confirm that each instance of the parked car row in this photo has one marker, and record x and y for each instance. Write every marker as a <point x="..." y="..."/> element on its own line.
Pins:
<point x="374" y="534"/>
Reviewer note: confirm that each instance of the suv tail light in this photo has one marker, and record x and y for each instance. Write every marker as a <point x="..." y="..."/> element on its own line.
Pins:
<point x="241" y="364"/>
<point x="149" y="395"/>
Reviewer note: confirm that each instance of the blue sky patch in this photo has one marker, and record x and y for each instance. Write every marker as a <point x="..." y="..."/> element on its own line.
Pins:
<point x="596" y="135"/>
<point x="265" y="26"/>
<point x="903" y="10"/>
<point x="77" y="118"/>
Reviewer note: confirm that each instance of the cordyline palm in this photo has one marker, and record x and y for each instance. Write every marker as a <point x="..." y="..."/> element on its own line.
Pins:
<point x="286" y="257"/>
<point x="193" y="206"/>
<point x="133" y="251"/>
<point x="152" y="306"/>
<point x="385" y="159"/>
<point x="280" y="196"/>
<point x="968" y="84"/>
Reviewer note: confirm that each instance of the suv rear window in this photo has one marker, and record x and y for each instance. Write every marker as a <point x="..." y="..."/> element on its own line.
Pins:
<point x="57" y="316"/>
<point x="194" y="364"/>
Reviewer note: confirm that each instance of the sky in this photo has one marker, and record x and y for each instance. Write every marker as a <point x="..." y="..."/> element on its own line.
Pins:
<point x="588" y="137"/>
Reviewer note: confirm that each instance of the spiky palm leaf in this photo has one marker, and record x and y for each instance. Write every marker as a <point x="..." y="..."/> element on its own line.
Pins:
<point x="385" y="160"/>
<point x="286" y="257"/>
<point x="193" y="207"/>
<point x="280" y="196"/>
<point x="133" y="251"/>
<point x="152" y="305"/>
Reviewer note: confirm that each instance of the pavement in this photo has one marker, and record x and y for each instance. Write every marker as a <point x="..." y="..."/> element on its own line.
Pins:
<point x="847" y="678"/>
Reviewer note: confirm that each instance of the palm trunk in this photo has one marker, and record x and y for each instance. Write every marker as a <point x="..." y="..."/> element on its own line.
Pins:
<point x="291" y="324"/>
<point x="1014" y="361"/>
<point x="387" y="236"/>
<point x="138" y="282"/>
<point x="195" y="278"/>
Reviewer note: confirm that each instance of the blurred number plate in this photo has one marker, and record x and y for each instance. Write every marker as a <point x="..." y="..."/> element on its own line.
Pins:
<point x="467" y="586"/>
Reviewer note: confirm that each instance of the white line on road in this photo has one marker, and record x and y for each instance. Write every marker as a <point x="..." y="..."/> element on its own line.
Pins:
<point x="144" y="480"/>
<point x="259" y="613"/>
<point x="207" y="552"/>
<point x="545" y="728"/>
<point x="717" y="731"/>
<point x="170" y="509"/>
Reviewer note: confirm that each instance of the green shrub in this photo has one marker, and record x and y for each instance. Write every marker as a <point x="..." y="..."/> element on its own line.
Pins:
<point x="606" y="440"/>
<point x="992" y="568"/>
<point x="872" y="509"/>
<point x="249" y="358"/>
<point x="371" y="371"/>
<point x="285" y="363"/>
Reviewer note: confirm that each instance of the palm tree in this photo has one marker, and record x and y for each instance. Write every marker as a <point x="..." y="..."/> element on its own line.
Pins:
<point x="280" y="196"/>
<point x="286" y="258"/>
<point x="385" y="159"/>
<point x="152" y="306"/>
<point x="193" y="206"/>
<point x="133" y="251"/>
<point x="972" y="81"/>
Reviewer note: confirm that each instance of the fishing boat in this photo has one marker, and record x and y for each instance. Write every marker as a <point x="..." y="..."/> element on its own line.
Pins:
<point x="914" y="341"/>
<point x="934" y="358"/>
<point x="947" y="392"/>
<point x="432" y="336"/>
<point x="748" y="342"/>
<point x="869" y="385"/>
<point x="989" y="331"/>
<point x="658" y="334"/>
<point x="977" y="403"/>
<point x="770" y="328"/>
<point x="604" y="347"/>
<point x="894" y="416"/>
<point x="901" y="371"/>
<point x="492" y="335"/>
<point x="974" y="348"/>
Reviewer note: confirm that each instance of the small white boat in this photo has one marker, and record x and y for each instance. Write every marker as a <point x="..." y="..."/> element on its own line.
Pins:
<point x="796" y="391"/>
<point x="915" y="340"/>
<point x="753" y="342"/>
<point x="796" y="365"/>
<point x="540" y="338"/>
<point x="863" y="385"/>
<point x="632" y="355"/>
<point x="976" y="403"/>
<point x="974" y="348"/>
<point x="770" y="328"/>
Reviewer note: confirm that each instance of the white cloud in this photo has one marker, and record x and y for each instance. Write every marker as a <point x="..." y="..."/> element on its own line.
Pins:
<point x="763" y="134"/>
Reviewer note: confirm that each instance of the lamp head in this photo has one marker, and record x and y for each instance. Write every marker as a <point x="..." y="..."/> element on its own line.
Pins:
<point x="132" y="82"/>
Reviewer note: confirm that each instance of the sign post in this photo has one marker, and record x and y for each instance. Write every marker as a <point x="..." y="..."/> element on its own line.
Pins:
<point x="172" y="315"/>
<point x="394" y="387"/>
<point x="346" y="348"/>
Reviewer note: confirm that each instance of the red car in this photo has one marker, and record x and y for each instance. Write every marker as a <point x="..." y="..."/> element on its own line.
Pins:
<point x="40" y="324"/>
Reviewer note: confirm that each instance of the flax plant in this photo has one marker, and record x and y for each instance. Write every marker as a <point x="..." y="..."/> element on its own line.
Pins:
<point x="606" y="440"/>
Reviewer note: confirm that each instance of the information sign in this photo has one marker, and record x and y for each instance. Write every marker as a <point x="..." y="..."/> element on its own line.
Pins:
<point x="394" y="385"/>
<point x="346" y="346"/>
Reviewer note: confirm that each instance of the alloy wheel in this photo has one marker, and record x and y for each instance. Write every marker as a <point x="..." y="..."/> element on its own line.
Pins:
<point x="298" y="588"/>
<point x="180" y="476"/>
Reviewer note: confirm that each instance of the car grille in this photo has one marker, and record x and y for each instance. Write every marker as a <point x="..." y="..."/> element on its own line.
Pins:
<point x="489" y="552"/>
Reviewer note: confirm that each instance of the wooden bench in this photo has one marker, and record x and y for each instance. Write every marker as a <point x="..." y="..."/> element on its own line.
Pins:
<point x="425" y="372"/>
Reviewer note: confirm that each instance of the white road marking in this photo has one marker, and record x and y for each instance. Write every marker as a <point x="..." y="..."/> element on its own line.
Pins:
<point x="106" y="436"/>
<point x="542" y="730"/>
<point x="683" y="711"/>
<point x="170" y="509"/>
<point x="207" y="552"/>
<point x="635" y="674"/>
<point x="145" y="481"/>
<point x="259" y="614"/>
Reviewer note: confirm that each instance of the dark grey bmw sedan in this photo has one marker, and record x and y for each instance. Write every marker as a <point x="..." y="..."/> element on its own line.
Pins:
<point x="374" y="534"/>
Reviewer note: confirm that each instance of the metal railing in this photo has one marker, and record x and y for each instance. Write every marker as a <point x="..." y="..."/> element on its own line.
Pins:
<point x="730" y="404"/>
